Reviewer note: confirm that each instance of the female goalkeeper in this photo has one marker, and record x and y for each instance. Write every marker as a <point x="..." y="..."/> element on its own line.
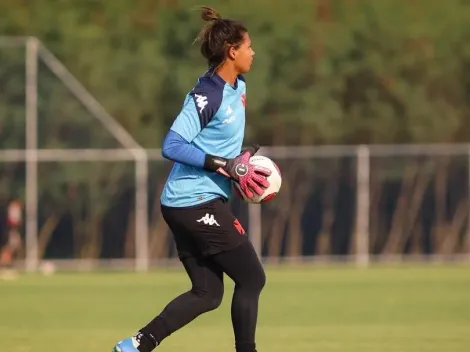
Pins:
<point x="205" y="143"/>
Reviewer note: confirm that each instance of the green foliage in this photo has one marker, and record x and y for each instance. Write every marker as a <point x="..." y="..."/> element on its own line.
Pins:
<point x="12" y="97"/>
<point x="340" y="71"/>
<point x="326" y="72"/>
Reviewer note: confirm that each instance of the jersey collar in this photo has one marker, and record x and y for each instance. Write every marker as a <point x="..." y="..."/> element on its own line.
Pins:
<point x="219" y="80"/>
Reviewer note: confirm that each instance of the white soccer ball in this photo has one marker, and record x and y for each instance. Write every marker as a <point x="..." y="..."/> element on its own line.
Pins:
<point x="275" y="181"/>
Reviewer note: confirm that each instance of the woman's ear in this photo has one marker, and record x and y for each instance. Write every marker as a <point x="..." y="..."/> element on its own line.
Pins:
<point x="232" y="52"/>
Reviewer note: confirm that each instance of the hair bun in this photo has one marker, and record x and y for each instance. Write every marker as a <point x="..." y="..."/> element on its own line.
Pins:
<point x="209" y="14"/>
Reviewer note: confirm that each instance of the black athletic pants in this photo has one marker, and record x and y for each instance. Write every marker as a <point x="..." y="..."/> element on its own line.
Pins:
<point x="211" y="242"/>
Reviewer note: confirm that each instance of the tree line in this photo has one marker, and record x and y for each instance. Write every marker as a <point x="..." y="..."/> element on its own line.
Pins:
<point x="325" y="72"/>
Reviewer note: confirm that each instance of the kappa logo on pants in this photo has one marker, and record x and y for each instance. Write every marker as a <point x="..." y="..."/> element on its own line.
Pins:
<point x="208" y="220"/>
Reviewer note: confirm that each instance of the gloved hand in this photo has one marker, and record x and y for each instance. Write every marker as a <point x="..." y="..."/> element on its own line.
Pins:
<point x="250" y="177"/>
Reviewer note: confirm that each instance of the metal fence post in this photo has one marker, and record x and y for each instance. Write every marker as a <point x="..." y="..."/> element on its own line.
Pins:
<point x="141" y="212"/>
<point x="254" y="227"/>
<point x="31" y="240"/>
<point x="363" y="205"/>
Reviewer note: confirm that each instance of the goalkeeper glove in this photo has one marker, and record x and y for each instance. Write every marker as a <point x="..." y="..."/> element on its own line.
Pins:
<point x="250" y="177"/>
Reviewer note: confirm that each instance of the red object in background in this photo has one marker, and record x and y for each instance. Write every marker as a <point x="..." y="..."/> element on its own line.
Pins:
<point x="14" y="216"/>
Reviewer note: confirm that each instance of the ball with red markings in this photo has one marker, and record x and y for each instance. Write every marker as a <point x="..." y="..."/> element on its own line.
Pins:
<point x="275" y="181"/>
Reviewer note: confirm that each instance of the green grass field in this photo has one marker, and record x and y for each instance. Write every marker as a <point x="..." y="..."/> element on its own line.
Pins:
<point x="399" y="309"/>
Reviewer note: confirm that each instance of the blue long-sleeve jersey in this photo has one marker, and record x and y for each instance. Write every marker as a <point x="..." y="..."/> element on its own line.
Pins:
<point x="212" y="121"/>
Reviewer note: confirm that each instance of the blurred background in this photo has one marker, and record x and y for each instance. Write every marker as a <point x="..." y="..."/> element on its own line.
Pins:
<point x="363" y="104"/>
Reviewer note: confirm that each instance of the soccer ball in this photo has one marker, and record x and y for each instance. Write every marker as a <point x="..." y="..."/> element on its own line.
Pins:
<point x="275" y="181"/>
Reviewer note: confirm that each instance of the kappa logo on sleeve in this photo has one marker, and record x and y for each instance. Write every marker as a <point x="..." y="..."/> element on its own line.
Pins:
<point x="201" y="101"/>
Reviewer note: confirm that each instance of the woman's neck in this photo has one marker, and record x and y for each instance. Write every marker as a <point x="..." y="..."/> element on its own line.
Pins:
<point x="228" y="74"/>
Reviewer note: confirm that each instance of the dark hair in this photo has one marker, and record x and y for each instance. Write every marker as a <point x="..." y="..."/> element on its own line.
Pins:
<point x="218" y="36"/>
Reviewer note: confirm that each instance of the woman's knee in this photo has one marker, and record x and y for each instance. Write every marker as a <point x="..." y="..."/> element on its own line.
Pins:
<point x="259" y="280"/>
<point x="210" y="297"/>
<point x="254" y="281"/>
